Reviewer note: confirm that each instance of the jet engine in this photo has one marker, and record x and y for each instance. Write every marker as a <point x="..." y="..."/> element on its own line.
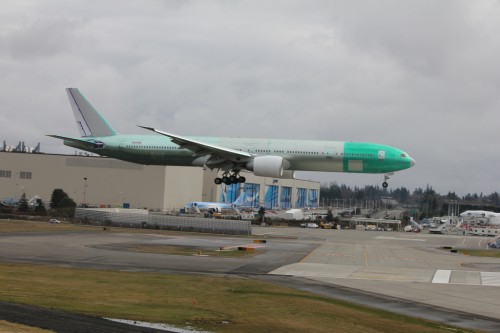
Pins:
<point x="267" y="166"/>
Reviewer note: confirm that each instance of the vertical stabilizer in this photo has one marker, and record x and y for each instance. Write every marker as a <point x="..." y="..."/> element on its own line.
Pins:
<point x="88" y="120"/>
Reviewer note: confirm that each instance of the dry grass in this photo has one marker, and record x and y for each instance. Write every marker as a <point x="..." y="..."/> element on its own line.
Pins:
<point x="37" y="226"/>
<point x="211" y="303"/>
<point x="7" y="327"/>
<point x="492" y="253"/>
<point x="191" y="251"/>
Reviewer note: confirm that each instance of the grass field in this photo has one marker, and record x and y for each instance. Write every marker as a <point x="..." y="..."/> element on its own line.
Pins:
<point x="216" y="304"/>
<point x="493" y="253"/>
<point x="36" y="226"/>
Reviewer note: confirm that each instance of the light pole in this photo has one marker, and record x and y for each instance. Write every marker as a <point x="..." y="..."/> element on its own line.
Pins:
<point x="84" y="191"/>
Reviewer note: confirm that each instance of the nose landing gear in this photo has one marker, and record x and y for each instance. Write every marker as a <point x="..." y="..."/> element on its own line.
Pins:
<point x="386" y="178"/>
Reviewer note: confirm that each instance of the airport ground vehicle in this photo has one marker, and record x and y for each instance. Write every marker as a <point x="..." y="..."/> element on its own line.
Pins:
<point x="309" y="225"/>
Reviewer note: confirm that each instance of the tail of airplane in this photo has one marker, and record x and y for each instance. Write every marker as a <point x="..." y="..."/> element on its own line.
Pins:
<point x="89" y="121"/>
<point x="240" y="200"/>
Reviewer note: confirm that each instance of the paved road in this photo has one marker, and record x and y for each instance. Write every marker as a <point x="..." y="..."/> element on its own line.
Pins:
<point x="64" y="322"/>
<point x="405" y="273"/>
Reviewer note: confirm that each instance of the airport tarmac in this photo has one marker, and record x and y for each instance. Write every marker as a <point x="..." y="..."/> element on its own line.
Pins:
<point x="402" y="272"/>
<point x="409" y="266"/>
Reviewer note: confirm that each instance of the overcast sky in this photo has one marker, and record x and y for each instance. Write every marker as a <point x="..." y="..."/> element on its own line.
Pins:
<point x="423" y="76"/>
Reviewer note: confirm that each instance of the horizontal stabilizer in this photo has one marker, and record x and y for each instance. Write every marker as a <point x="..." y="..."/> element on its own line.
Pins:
<point x="89" y="144"/>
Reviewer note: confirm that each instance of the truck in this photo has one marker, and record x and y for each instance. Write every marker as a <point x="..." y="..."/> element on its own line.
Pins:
<point x="294" y="214"/>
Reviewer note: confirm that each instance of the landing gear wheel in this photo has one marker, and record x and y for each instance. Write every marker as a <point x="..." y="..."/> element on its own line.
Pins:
<point x="225" y="180"/>
<point x="233" y="179"/>
<point x="386" y="178"/>
<point x="242" y="180"/>
<point x="218" y="181"/>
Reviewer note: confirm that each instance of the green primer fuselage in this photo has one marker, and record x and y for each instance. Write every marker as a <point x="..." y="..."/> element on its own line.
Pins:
<point x="303" y="155"/>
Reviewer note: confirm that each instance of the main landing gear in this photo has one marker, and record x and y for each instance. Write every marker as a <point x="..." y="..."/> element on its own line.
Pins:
<point x="386" y="178"/>
<point x="228" y="180"/>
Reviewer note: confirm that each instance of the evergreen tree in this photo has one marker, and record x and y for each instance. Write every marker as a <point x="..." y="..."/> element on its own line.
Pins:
<point x="23" y="204"/>
<point x="429" y="203"/>
<point x="495" y="198"/>
<point x="261" y="213"/>
<point x="57" y="197"/>
<point x="61" y="203"/>
<point x="40" y="208"/>
<point x="329" y="216"/>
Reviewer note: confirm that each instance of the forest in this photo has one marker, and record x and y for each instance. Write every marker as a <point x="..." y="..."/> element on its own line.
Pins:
<point x="426" y="201"/>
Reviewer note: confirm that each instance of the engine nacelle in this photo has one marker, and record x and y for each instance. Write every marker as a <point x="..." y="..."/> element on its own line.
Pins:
<point x="266" y="166"/>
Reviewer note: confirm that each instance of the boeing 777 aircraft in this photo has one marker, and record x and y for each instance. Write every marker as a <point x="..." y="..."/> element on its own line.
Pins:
<point x="263" y="157"/>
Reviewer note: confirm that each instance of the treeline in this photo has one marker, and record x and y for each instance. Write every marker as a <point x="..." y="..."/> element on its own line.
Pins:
<point x="61" y="205"/>
<point x="427" y="201"/>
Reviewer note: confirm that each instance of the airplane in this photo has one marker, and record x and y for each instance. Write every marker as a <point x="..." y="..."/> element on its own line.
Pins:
<point x="479" y="213"/>
<point x="214" y="206"/>
<point x="493" y="218"/>
<point x="217" y="206"/>
<point x="264" y="157"/>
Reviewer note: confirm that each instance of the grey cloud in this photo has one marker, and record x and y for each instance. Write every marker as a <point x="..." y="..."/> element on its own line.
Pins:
<point x="39" y="39"/>
<point x="419" y="75"/>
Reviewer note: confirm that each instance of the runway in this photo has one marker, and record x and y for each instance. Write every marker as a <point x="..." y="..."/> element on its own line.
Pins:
<point x="405" y="273"/>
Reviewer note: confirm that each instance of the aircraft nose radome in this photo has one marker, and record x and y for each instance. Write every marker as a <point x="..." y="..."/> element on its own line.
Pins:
<point x="412" y="162"/>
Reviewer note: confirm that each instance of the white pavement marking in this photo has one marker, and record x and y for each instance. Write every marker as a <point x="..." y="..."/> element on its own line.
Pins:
<point x="442" y="276"/>
<point x="402" y="239"/>
<point x="316" y="270"/>
<point x="490" y="278"/>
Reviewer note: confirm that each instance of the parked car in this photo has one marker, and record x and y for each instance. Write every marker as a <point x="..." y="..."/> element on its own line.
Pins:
<point x="54" y="221"/>
<point x="408" y="228"/>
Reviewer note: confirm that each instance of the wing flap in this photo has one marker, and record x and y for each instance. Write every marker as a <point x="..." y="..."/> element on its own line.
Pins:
<point x="203" y="148"/>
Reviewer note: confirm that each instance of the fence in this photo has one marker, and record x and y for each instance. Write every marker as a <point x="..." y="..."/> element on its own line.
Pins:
<point x="141" y="219"/>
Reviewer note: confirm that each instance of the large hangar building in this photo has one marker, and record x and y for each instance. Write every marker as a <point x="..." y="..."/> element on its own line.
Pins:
<point x="106" y="182"/>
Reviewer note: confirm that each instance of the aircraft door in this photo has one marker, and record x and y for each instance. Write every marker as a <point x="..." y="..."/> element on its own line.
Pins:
<point x="381" y="155"/>
<point x="329" y="154"/>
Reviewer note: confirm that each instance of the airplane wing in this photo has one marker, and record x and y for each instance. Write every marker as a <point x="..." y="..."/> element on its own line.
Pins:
<point x="202" y="148"/>
<point x="86" y="143"/>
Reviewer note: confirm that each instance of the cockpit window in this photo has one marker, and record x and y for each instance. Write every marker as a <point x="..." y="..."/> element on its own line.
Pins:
<point x="404" y="155"/>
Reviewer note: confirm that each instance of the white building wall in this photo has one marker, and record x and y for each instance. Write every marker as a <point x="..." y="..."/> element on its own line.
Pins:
<point x="182" y="185"/>
<point x="110" y="182"/>
<point x="265" y="181"/>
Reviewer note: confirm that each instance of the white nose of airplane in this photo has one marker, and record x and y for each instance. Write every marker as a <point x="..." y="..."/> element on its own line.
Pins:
<point x="412" y="162"/>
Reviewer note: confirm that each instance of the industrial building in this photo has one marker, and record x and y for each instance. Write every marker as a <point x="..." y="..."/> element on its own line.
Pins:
<point x="105" y="182"/>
